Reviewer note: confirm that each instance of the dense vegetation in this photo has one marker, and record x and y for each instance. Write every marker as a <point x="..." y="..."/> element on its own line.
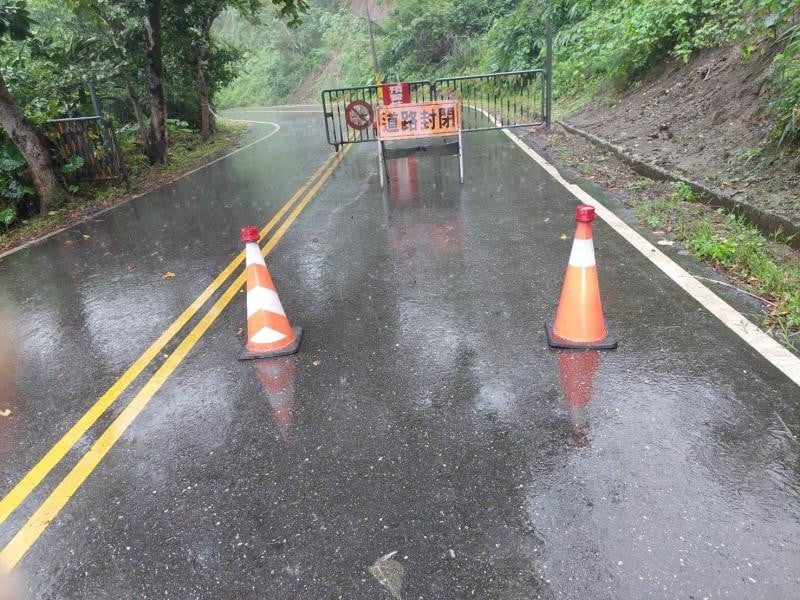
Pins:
<point x="597" y="44"/>
<point x="146" y="58"/>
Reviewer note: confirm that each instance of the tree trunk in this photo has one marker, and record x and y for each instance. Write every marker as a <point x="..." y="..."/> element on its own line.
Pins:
<point x="206" y="124"/>
<point x="33" y="149"/>
<point x="115" y="30"/>
<point x="206" y="118"/>
<point x="137" y="106"/>
<point x="157" y="132"/>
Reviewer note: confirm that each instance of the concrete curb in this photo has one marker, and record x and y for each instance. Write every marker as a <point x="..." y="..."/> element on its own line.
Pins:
<point x="766" y="222"/>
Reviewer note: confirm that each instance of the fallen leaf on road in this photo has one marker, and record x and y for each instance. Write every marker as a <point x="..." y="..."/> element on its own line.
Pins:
<point x="169" y="275"/>
<point x="315" y="363"/>
<point x="86" y="237"/>
<point x="131" y="268"/>
<point x="563" y="236"/>
<point x="389" y="574"/>
<point x="239" y="332"/>
<point x="665" y="242"/>
<point x="5" y="413"/>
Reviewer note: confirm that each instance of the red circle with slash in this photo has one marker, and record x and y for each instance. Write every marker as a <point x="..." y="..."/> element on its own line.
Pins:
<point x="358" y="115"/>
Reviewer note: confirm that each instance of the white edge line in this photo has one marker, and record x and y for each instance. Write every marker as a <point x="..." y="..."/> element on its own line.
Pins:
<point x="103" y="211"/>
<point x="786" y="362"/>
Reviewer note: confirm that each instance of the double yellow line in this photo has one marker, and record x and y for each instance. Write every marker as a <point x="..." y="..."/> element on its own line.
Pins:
<point x="15" y="550"/>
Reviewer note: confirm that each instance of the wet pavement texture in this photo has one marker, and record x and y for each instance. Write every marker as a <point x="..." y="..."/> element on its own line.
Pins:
<point x="424" y="420"/>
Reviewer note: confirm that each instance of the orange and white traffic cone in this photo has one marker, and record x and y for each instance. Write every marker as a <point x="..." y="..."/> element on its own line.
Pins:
<point x="579" y="320"/>
<point x="268" y="330"/>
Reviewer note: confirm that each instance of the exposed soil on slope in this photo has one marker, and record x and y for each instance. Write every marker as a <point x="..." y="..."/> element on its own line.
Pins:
<point x="708" y="121"/>
<point x="329" y="74"/>
<point x="378" y="11"/>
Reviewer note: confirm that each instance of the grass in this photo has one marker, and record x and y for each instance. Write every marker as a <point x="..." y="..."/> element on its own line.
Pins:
<point x="186" y="150"/>
<point x="762" y="266"/>
<point x="765" y="267"/>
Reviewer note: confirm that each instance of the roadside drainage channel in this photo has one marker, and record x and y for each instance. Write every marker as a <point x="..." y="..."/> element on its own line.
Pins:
<point x="769" y="224"/>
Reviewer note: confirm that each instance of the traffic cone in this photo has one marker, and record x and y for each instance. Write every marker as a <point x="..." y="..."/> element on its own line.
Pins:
<point x="579" y="320"/>
<point x="576" y="370"/>
<point x="268" y="331"/>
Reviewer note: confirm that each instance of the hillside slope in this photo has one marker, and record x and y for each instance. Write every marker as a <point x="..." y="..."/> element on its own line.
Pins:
<point x="708" y="120"/>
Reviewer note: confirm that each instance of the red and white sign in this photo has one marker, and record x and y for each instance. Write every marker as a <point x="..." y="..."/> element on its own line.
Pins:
<point x="358" y="115"/>
<point x="396" y="93"/>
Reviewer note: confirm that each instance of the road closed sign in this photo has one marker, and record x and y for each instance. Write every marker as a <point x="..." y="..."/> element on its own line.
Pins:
<point x="418" y="120"/>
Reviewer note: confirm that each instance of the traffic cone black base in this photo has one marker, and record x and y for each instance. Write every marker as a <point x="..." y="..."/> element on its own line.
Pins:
<point x="290" y="349"/>
<point x="607" y="343"/>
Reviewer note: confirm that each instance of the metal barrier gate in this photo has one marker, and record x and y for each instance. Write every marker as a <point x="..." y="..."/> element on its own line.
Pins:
<point x="91" y="138"/>
<point x="512" y="99"/>
<point x="491" y="101"/>
<point x="362" y="104"/>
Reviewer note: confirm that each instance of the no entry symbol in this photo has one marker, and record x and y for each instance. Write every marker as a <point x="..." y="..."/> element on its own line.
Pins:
<point x="358" y="115"/>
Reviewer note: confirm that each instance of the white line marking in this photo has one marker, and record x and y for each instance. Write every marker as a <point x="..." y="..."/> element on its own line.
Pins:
<point x="139" y="195"/>
<point x="780" y="357"/>
<point x="245" y="147"/>
<point x="271" y="109"/>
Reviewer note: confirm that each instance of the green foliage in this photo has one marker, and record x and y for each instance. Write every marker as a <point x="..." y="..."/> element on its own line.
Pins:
<point x="786" y="106"/>
<point x="730" y="242"/>
<point x="423" y="39"/>
<point x="14" y="180"/>
<point x="622" y="39"/>
<point x="73" y="164"/>
<point x="15" y="185"/>
<point x="683" y="191"/>
<point x="516" y="40"/>
<point x="15" y="20"/>
<point x="276" y="61"/>
<point x="7" y="216"/>
<point x="742" y="250"/>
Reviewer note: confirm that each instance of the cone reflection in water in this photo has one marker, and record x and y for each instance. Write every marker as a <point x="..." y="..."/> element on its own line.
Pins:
<point x="579" y="321"/>
<point x="277" y="377"/>
<point x="576" y="370"/>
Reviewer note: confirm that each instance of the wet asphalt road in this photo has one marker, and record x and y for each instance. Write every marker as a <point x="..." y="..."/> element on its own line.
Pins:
<point x="424" y="414"/>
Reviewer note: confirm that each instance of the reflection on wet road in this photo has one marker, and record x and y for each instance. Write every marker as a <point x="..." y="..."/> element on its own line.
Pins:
<point x="425" y="442"/>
